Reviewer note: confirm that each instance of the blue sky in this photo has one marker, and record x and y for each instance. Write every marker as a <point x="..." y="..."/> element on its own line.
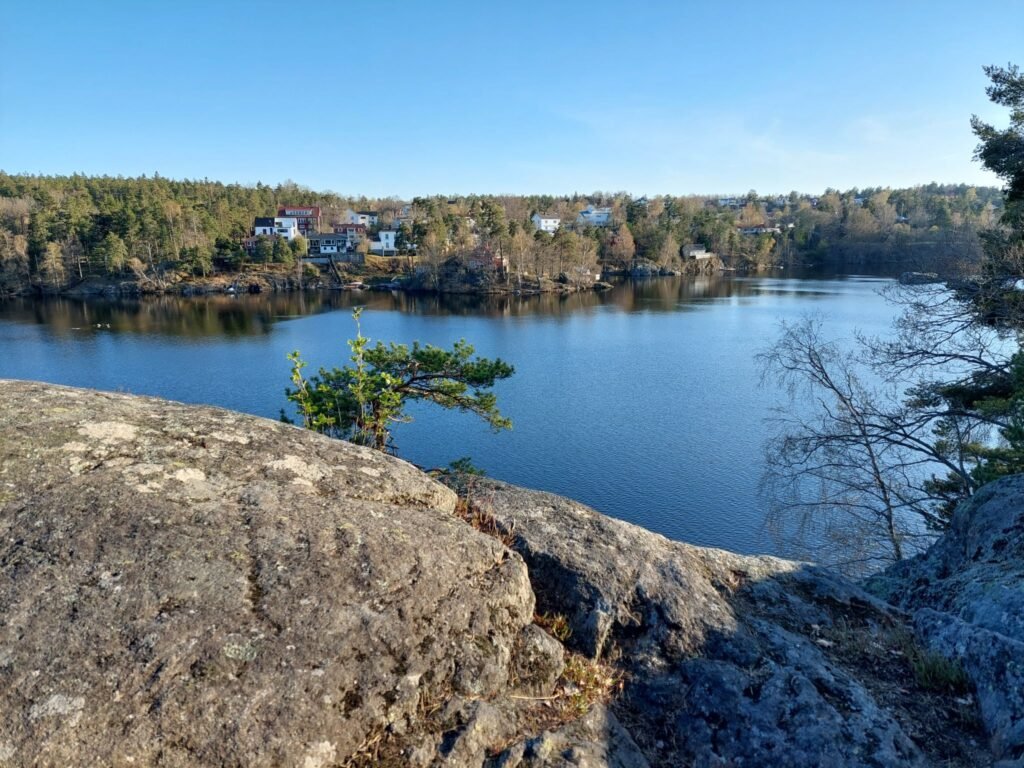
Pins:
<point x="418" y="97"/>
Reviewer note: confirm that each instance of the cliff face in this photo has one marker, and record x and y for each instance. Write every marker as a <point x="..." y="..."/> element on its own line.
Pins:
<point x="966" y="597"/>
<point x="187" y="586"/>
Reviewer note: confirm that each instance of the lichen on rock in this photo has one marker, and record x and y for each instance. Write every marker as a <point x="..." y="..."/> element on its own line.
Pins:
<point x="182" y="585"/>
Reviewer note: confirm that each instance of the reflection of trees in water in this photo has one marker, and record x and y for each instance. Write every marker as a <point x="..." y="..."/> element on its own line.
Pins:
<point x="253" y="315"/>
<point x="170" y="315"/>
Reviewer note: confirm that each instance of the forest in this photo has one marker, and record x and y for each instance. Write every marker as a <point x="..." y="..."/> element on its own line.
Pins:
<point x="56" y="231"/>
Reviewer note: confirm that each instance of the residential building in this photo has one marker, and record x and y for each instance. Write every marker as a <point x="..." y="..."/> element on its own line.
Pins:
<point x="385" y="243"/>
<point x="280" y="226"/>
<point x="404" y="216"/>
<point x="331" y="246"/>
<point x="696" y="252"/>
<point x="487" y="261"/>
<point x="308" y="217"/>
<point x="762" y="230"/>
<point x="595" y="217"/>
<point x="366" y="218"/>
<point x="353" y="233"/>
<point x="263" y="225"/>
<point x="327" y="244"/>
<point x="546" y="222"/>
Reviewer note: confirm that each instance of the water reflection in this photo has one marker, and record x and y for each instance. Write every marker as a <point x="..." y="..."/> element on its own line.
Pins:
<point x="254" y="315"/>
<point x="643" y="401"/>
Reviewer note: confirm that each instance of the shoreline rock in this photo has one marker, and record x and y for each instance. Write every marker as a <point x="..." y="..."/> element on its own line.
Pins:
<point x="185" y="585"/>
<point x="966" y="595"/>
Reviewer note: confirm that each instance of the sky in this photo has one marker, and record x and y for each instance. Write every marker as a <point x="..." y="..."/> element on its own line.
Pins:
<point x="416" y="97"/>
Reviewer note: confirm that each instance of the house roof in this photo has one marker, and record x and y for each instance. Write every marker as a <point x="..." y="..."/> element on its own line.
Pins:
<point x="264" y="221"/>
<point x="547" y="216"/>
<point x="313" y="209"/>
<point x="368" y="213"/>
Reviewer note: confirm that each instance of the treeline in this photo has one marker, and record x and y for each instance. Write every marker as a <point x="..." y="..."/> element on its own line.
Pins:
<point x="57" y="230"/>
<point x="60" y="229"/>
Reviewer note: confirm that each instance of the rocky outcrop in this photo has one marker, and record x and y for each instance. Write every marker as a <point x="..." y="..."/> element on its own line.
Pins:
<point x="730" y="660"/>
<point x="189" y="586"/>
<point x="186" y="586"/>
<point x="459" y="275"/>
<point x="709" y="266"/>
<point x="643" y="268"/>
<point x="966" y="594"/>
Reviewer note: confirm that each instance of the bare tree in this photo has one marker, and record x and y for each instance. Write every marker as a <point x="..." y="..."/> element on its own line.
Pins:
<point x="850" y="467"/>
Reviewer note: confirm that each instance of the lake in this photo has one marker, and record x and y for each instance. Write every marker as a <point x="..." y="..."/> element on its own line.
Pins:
<point x="643" y="401"/>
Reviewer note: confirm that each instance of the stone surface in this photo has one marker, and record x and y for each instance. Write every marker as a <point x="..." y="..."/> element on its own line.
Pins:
<point x="995" y="664"/>
<point x="728" y="659"/>
<point x="596" y="740"/>
<point x="967" y="596"/>
<point x="539" y="661"/>
<point x="189" y="586"/>
<point x="185" y="586"/>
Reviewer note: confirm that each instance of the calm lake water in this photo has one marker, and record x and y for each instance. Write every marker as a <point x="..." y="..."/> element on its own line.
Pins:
<point x="643" y="402"/>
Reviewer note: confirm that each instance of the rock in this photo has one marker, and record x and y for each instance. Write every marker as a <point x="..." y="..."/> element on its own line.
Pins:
<point x="724" y="655"/>
<point x="708" y="266"/>
<point x="643" y="268"/>
<point x="975" y="570"/>
<point x="185" y="586"/>
<point x="539" y="661"/>
<point x="473" y="727"/>
<point x="597" y="740"/>
<point x="188" y="586"/>
<point x="968" y="603"/>
<point x="995" y="664"/>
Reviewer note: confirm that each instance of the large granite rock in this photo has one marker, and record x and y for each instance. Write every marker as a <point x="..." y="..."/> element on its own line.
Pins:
<point x="185" y="586"/>
<point x="188" y="586"/>
<point x="729" y="660"/>
<point x="967" y="596"/>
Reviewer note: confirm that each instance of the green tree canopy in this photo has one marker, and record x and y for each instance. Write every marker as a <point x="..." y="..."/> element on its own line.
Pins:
<point x="361" y="402"/>
<point x="1002" y="150"/>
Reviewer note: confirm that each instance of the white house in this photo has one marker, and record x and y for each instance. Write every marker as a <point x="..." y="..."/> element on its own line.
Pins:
<point x="546" y="223"/>
<point x="385" y="242"/>
<point x="331" y="246"/>
<point x="595" y="217"/>
<point x="366" y="218"/>
<point x="696" y="252"/>
<point x="328" y="244"/>
<point x="281" y="226"/>
<point x="760" y="230"/>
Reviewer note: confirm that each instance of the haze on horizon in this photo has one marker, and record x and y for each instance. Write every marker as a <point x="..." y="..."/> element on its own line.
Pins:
<point x="400" y="98"/>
